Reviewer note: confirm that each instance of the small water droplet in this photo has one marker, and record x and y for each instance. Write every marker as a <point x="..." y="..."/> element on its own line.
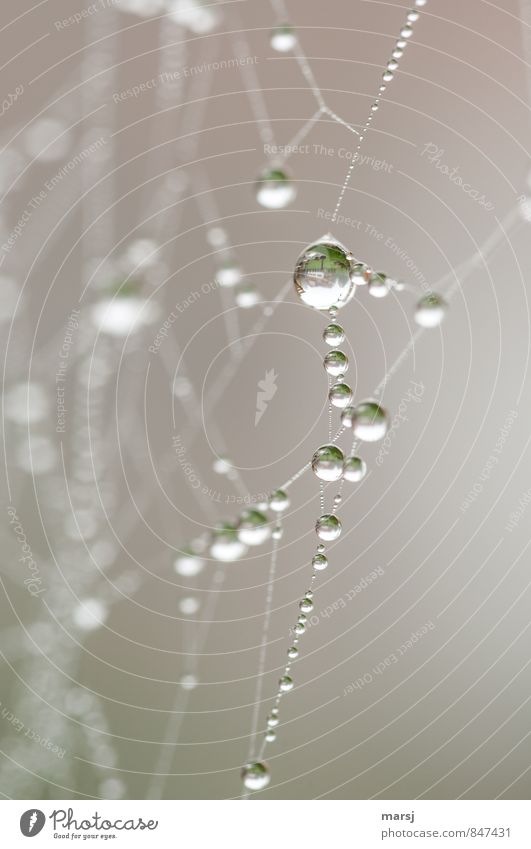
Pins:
<point x="333" y="335"/>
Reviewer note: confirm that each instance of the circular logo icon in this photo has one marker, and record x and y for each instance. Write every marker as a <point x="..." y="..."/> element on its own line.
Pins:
<point x="31" y="822"/>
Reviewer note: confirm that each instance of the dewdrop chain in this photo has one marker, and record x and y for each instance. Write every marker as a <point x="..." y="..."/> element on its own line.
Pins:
<point x="392" y="65"/>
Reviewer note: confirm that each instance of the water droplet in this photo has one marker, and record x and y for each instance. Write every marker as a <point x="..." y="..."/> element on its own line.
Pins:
<point x="256" y="776"/>
<point x="182" y="387"/>
<point x="293" y="652"/>
<point x="320" y="548"/>
<point x="271" y="736"/>
<point x="420" y="2"/>
<point x="279" y="501"/>
<point x="322" y="275"/>
<point x="340" y="395"/>
<point x="222" y="465"/>
<point x="272" y="719"/>
<point x="379" y="285"/>
<point x="406" y="32"/>
<point x="253" y="528"/>
<point x="188" y="682"/>
<point x="319" y="562"/>
<point x="225" y="545"/>
<point x="333" y="335"/>
<point x="397" y="53"/>
<point x="328" y="528"/>
<point x="354" y="469"/>
<point x="412" y="16"/>
<point x="229" y="274"/>
<point x="275" y="190"/>
<point x="277" y="532"/>
<point x="387" y="76"/>
<point x="430" y="311"/>
<point x="123" y="314"/>
<point x="216" y="237"/>
<point x="188" y="565"/>
<point x="306" y="605"/>
<point x="369" y="421"/>
<point x="189" y="606"/>
<point x="140" y="255"/>
<point x="392" y="65"/>
<point x="299" y="628"/>
<point x="285" y="684"/>
<point x="247" y="296"/>
<point x="338" y="499"/>
<point x="336" y="363"/>
<point x="90" y="614"/>
<point x="358" y="274"/>
<point x="327" y="463"/>
<point x="283" y="38"/>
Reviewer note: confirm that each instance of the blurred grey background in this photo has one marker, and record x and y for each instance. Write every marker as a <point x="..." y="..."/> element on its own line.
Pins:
<point x="131" y="144"/>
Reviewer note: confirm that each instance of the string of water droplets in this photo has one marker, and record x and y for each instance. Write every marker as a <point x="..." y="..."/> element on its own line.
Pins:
<point x="326" y="277"/>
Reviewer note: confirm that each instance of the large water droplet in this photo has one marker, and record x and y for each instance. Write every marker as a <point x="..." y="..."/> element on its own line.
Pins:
<point x="327" y="463"/>
<point x="369" y="421"/>
<point x="336" y="363"/>
<point x="340" y="395"/>
<point x="354" y="469"/>
<point x="322" y="275"/>
<point x="328" y="528"/>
